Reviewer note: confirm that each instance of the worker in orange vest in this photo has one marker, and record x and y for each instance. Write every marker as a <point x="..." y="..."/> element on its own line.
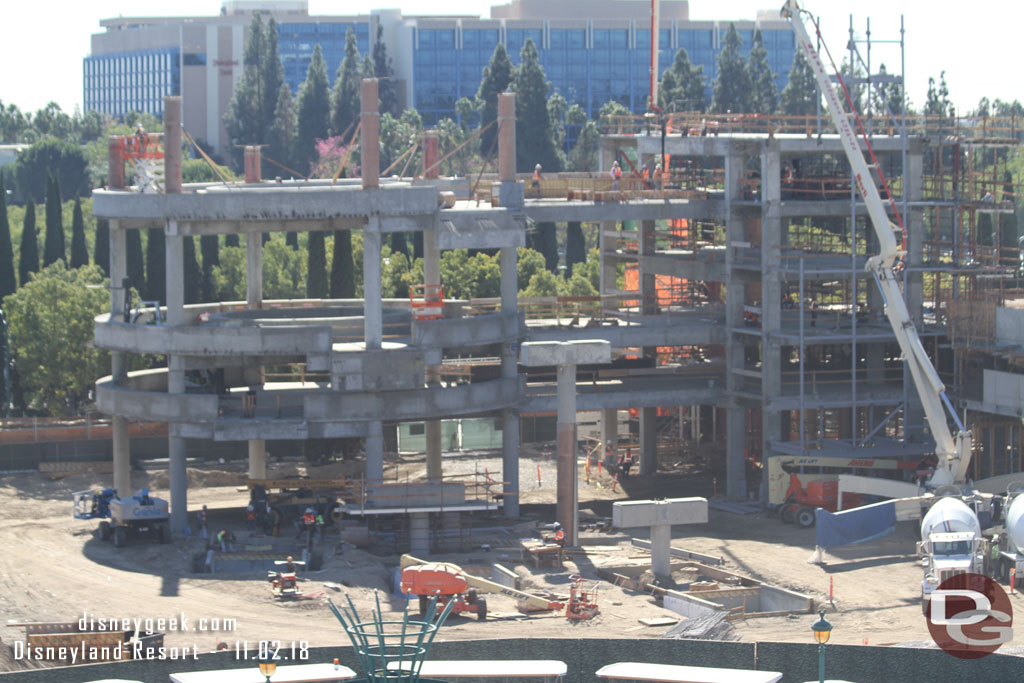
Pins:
<point x="535" y="185"/>
<point x="560" y="537"/>
<point x="616" y="174"/>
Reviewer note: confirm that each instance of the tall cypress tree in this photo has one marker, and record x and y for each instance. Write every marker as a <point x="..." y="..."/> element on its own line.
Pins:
<point x="343" y="280"/>
<point x="682" y="85"/>
<point x="231" y="240"/>
<point x="1008" y="221"/>
<point x="291" y="238"/>
<point x="345" y="96"/>
<point x="28" y="262"/>
<point x="79" y="250"/>
<point x="316" y="266"/>
<point x="534" y="141"/>
<point x="282" y="130"/>
<point x="575" y="246"/>
<point x="135" y="263"/>
<point x="209" y="248"/>
<point x="764" y="93"/>
<point x="732" y="85"/>
<point x="497" y="77"/>
<point x="399" y="243"/>
<point x="800" y="96"/>
<point x="193" y="278"/>
<point x="245" y="118"/>
<point x="546" y="242"/>
<point x="271" y="78"/>
<point x="313" y="112"/>
<point x="53" y="244"/>
<point x="382" y="67"/>
<point x="8" y="284"/>
<point x="156" y="265"/>
<point x="101" y="249"/>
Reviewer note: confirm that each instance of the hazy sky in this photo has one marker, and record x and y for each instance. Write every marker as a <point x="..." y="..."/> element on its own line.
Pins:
<point x="976" y="43"/>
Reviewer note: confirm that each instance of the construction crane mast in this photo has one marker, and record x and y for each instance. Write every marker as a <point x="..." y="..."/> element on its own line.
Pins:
<point x="954" y="452"/>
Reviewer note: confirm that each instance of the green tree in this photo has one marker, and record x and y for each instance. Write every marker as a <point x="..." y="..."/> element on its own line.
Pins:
<point x="193" y="276"/>
<point x="101" y="250"/>
<point x="682" y="85"/>
<point x="557" y="109"/>
<point x="386" y="90"/>
<point x="291" y="238"/>
<point x="51" y="332"/>
<point x="542" y="284"/>
<point x="229" y="274"/>
<point x="7" y="282"/>
<point x="497" y="76"/>
<point x="534" y="141"/>
<point x="199" y="171"/>
<point x="156" y="265"/>
<point x="578" y="285"/>
<point x="1008" y="221"/>
<point x="345" y="100"/>
<point x="316" y="266"/>
<point x="79" y="250"/>
<point x="467" y="277"/>
<point x="232" y="240"/>
<point x="271" y="79"/>
<point x="584" y="154"/>
<point x="54" y="248"/>
<point x="244" y="119"/>
<point x="528" y="264"/>
<point x="545" y="240"/>
<point x="575" y="246"/>
<point x="399" y="243"/>
<point x="343" y="283"/>
<point x="732" y="84"/>
<point x="937" y="101"/>
<point x="284" y="270"/>
<point x="889" y="96"/>
<point x="313" y="112"/>
<point x="28" y="261"/>
<point x="134" y="261"/>
<point x="283" y="129"/>
<point x="209" y="249"/>
<point x="65" y="160"/>
<point x="764" y="94"/>
<point x="800" y="96"/>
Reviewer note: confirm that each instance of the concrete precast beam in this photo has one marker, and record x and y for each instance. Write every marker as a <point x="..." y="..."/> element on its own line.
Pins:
<point x="154" y="405"/>
<point x="251" y="206"/>
<point x="685" y="332"/>
<point x="660" y="515"/>
<point x="210" y="340"/>
<point x="609" y="397"/>
<point x="579" y="352"/>
<point x="490" y="328"/>
<point x="559" y="211"/>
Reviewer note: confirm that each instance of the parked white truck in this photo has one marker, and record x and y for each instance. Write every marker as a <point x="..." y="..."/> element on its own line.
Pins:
<point x="951" y="543"/>
<point x="1011" y="539"/>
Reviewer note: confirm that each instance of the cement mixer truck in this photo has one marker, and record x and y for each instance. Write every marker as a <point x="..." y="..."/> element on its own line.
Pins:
<point x="951" y="542"/>
<point x="1011" y="539"/>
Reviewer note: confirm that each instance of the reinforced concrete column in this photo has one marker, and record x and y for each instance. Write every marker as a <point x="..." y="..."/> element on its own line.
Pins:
<point x="736" y="435"/>
<point x="369" y="141"/>
<point x="648" y="440"/>
<point x="119" y="359"/>
<point x="257" y="459"/>
<point x="610" y="433"/>
<point x="419" y="534"/>
<point x="509" y="259"/>
<point x="771" y="296"/>
<point x="175" y="287"/>
<point x="432" y="277"/>
<point x="373" y="332"/>
<point x="567" y="509"/>
<point x="507" y="137"/>
<point x="661" y="550"/>
<point x="254" y="270"/>
<point x="609" y="274"/>
<point x="375" y="451"/>
<point x="172" y="144"/>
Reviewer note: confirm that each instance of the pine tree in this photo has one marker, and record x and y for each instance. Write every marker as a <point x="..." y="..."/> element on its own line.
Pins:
<point x="282" y="130"/>
<point x="888" y="97"/>
<point x="345" y="100"/>
<point x="193" y="278"/>
<point x="156" y="265"/>
<point x="800" y="96"/>
<point x="764" y="94"/>
<point x="386" y="90"/>
<point x="8" y="285"/>
<point x="245" y="118"/>
<point x="343" y="281"/>
<point x="316" y="270"/>
<point x="682" y="85"/>
<point x="313" y="112"/>
<point x="732" y="85"/>
<point x="575" y="247"/>
<point x="79" y="250"/>
<point x="53" y="244"/>
<point x="534" y="142"/>
<point x="583" y="156"/>
<point x="101" y="250"/>
<point x="134" y="261"/>
<point x="28" y="262"/>
<point x="497" y="76"/>
<point x="209" y="249"/>
<point x="271" y="79"/>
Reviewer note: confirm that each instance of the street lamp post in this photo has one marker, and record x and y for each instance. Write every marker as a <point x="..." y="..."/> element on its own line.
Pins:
<point x="821" y="629"/>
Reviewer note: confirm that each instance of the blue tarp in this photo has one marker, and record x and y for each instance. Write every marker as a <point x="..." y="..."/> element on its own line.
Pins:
<point x="858" y="525"/>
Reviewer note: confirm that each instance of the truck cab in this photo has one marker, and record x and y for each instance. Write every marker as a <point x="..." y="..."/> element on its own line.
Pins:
<point x="948" y="554"/>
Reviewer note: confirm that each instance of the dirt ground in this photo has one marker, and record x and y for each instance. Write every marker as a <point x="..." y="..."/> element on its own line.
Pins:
<point x="54" y="569"/>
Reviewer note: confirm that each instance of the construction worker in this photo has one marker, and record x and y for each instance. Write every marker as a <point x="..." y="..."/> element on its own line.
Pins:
<point x="535" y="185"/>
<point x="250" y="520"/>
<point x="560" y="537"/>
<point x="226" y="540"/>
<point x="289" y="566"/>
<point x="645" y="176"/>
<point x="319" y="522"/>
<point x="203" y="532"/>
<point x="659" y="176"/>
<point x="616" y="174"/>
<point x="994" y="556"/>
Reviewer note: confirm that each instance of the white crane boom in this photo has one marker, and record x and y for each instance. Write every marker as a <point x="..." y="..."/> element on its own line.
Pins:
<point x="954" y="452"/>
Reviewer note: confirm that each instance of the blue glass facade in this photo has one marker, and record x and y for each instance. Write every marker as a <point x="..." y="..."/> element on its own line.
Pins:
<point x="295" y="43"/>
<point x="131" y="81"/>
<point x="613" y="67"/>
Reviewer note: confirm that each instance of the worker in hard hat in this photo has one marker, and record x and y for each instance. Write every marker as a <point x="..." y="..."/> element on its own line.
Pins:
<point x="289" y="566"/>
<point x="616" y="174"/>
<point x="535" y="184"/>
